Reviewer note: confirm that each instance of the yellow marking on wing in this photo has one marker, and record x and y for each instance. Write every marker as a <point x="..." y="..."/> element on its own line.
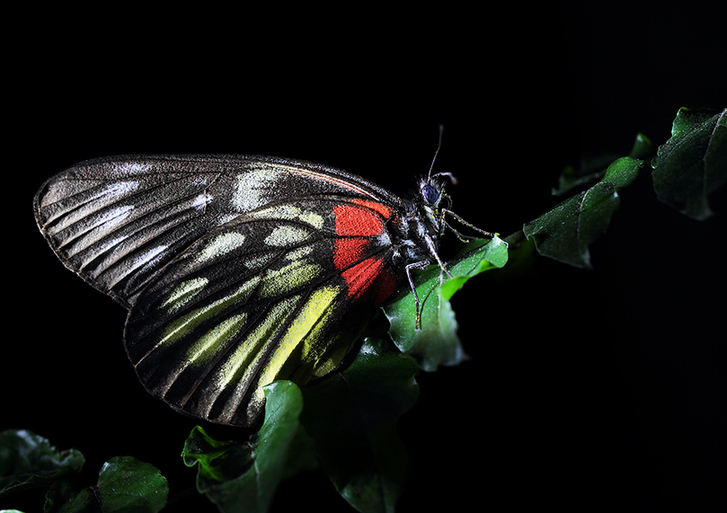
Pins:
<point x="183" y="293"/>
<point x="247" y="347"/>
<point x="287" y="278"/>
<point x="323" y="367"/>
<point x="311" y="218"/>
<point x="205" y="347"/>
<point x="186" y="323"/>
<point x="254" y="345"/>
<point x="307" y="325"/>
<point x="217" y="336"/>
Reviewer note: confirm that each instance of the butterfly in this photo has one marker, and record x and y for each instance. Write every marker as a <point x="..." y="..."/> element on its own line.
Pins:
<point x="239" y="270"/>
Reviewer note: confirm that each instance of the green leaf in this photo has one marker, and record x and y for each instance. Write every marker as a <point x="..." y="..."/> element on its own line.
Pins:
<point x="352" y="415"/>
<point x="243" y="477"/>
<point x="622" y="172"/>
<point x="28" y="460"/>
<point x="693" y="162"/>
<point x="593" y="169"/>
<point x="436" y="343"/>
<point x="217" y="461"/>
<point x="572" y="178"/>
<point x="64" y="497"/>
<point x="127" y="485"/>
<point x="642" y="147"/>
<point x="566" y="232"/>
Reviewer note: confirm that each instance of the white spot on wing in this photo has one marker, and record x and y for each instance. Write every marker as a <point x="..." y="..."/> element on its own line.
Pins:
<point x="286" y="236"/>
<point x="201" y="200"/>
<point x="254" y="188"/>
<point x="220" y="245"/>
<point x="299" y="253"/>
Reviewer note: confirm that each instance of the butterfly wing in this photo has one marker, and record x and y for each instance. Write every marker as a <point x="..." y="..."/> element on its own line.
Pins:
<point x="237" y="271"/>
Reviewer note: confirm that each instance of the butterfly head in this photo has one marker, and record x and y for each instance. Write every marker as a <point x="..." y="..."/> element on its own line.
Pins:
<point x="434" y="197"/>
<point x="431" y="194"/>
<point x="432" y="188"/>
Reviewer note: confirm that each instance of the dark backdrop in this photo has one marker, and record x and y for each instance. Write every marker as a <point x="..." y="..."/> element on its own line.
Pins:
<point x="586" y="391"/>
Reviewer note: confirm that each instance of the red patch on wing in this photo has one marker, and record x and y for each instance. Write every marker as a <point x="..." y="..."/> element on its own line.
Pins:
<point x="373" y="205"/>
<point x="347" y="251"/>
<point x="352" y="220"/>
<point x="354" y="223"/>
<point x="361" y="276"/>
<point x="369" y="276"/>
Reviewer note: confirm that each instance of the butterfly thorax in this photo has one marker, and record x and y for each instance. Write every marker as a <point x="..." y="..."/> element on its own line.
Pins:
<point x="408" y="240"/>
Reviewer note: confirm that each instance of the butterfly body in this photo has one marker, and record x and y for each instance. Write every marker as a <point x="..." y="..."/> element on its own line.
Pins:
<point x="236" y="270"/>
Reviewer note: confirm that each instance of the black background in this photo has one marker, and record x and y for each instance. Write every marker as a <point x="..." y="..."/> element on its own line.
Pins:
<point x="586" y="391"/>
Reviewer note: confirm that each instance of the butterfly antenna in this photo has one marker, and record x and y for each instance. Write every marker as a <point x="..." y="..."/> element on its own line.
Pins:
<point x="436" y="152"/>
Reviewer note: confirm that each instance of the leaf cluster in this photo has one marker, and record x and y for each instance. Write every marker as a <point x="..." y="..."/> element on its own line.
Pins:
<point x="124" y="484"/>
<point x="686" y="170"/>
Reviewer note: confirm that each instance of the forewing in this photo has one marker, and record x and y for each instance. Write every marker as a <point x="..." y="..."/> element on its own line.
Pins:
<point x="257" y="299"/>
<point x="117" y="222"/>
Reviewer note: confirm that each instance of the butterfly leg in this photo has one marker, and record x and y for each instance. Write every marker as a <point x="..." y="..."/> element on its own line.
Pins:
<point x="416" y="265"/>
<point x="433" y="250"/>
<point x="468" y="225"/>
<point x="444" y="224"/>
<point x="460" y="237"/>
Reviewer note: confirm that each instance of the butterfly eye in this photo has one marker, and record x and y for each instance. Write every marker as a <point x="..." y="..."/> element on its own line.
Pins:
<point x="430" y="193"/>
